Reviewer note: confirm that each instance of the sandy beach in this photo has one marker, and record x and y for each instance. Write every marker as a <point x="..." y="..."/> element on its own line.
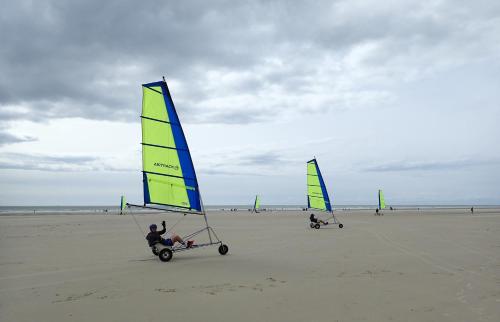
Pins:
<point x="433" y="265"/>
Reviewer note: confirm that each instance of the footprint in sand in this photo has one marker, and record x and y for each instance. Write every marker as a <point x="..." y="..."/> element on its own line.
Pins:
<point x="274" y="281"/>
<point x="257" y="287"/>
<point x="166" y="290"/>
<point x="228" y="287"/>
<point x="213" y="289"/>
<point x="72" y="298"/>
<point x="11" y="263"/>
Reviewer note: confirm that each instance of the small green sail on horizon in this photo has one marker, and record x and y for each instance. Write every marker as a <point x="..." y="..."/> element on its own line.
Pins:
<point x="256" y="204"/>
<point x="123" y="204"/>
<point x="317" y="195"/>
<point x="381" y="200"/>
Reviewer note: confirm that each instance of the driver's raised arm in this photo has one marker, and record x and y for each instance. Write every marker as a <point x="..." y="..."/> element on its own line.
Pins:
<point x="164" y="230"/>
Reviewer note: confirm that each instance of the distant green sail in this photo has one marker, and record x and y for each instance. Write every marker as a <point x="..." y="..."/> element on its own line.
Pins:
<point x="317" y="195"/>
<point x="256" y="204"/>
<point x="381" y="200"/>
<point x="168" y="173"/>
<point x="123" y="204"/>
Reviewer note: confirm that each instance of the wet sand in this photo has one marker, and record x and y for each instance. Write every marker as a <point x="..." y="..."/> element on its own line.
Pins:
<point x="433" y="265"/>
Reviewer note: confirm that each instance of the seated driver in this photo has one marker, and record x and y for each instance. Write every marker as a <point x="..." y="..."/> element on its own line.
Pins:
<point x="154" y="236"/>
<point x="316" y="220"/>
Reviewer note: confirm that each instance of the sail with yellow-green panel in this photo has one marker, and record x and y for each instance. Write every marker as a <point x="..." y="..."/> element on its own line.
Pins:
<point x="169" y="177"/>
<point x="123" y="204"/>
<point x="317" y="195"/>
<point x="256" y="204"/>
<point x="381" y="200"/>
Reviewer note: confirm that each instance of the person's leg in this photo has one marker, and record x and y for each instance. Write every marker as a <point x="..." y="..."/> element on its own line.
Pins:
<point x="178" y="239"/>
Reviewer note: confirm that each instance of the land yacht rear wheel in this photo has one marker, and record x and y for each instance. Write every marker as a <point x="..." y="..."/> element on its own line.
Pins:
<point x="165" y="255"/>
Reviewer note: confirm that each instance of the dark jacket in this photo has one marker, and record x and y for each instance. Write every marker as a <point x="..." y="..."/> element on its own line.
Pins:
<point x="155" y="237"/>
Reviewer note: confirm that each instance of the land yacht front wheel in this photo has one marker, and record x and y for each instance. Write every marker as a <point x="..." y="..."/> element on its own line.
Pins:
<point x="223" y="249"/>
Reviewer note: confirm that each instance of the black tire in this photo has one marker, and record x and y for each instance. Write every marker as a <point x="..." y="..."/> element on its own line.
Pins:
<point x="311" y="225"/>
<point x="317" y="226"/>
<point x="223" y="249"/>
<point x="341" y="226"/>
<point x="155" y="251"/>
<point x="165" y="255"/>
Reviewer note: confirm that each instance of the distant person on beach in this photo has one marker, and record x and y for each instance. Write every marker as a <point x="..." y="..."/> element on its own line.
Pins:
<point x="313" y="219"/>
<point x="471" y="210"/>
<point x="154" y="236"/>
<point x="376" y="211"/>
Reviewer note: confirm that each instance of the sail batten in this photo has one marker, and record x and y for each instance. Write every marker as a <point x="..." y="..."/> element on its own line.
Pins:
<point x="157" y="120"/>
<point x="164" y="147"/>
<point x="169" y="177"/>
<point x="317" y="195"/>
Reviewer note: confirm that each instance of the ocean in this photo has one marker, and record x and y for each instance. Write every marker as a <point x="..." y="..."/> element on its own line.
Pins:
<point x="115" y="209"/>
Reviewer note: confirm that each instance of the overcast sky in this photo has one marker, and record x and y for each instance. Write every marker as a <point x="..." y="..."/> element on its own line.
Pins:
<point x="398" y="95"/>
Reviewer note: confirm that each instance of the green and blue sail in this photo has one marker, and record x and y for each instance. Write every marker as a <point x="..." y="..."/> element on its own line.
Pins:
<point x="381" y="200"/>
<point x="317" y="195"/>
<point x="256" y="204"/>
<point x="169" y="177"/>
<point x="123" y="204"/>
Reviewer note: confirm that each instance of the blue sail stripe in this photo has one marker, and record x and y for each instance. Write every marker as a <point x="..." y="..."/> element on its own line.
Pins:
<point x="147" y="199"/>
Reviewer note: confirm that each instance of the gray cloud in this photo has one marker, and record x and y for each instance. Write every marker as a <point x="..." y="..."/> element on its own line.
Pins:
<point x="240" y="163"/>
<point x="400" y="166"/>
<point x="46" y="162"/>
<point x="262" y="159"/>
<point x="222" y="172"/>
<point x="7" y="138"/>
<point x="87" y="58"/>
<point x="40" y="162"/>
